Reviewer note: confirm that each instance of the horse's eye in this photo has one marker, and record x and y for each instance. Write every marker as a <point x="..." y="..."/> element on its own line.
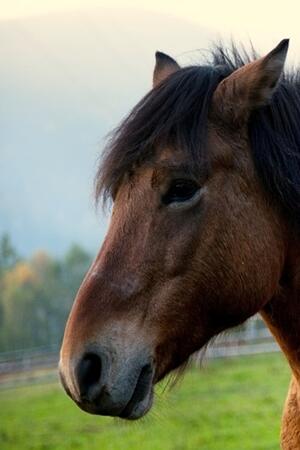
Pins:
<point x="180" y="190"/>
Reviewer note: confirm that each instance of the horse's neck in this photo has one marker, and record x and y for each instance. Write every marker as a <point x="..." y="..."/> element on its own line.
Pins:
<point x="282" y="315"/>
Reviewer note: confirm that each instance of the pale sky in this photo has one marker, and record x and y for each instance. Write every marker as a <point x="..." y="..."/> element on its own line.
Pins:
<point x="265" y="22"/>
<point x="41" y="72"/>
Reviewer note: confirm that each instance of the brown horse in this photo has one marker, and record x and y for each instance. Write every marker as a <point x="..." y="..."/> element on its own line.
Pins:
<point x="205" y="232"/>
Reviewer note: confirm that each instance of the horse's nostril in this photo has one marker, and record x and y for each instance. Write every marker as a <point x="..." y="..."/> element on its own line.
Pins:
<point x="88" y="373"/>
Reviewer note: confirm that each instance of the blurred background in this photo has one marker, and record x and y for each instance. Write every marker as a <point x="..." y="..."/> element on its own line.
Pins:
<point x="70" y="71"/>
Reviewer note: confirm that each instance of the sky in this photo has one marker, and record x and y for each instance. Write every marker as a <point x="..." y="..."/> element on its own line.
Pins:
<point x="58" y="79"/>
<point x="262" y="19"/>
<point x="264" y="22"/>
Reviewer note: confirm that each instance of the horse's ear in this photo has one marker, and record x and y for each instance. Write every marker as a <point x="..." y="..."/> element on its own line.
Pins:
<point x="164" y="66"/>
<point x="251" y="86"/>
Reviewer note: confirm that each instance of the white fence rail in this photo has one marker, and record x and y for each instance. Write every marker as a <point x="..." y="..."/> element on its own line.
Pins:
<point x="29" y="365"/>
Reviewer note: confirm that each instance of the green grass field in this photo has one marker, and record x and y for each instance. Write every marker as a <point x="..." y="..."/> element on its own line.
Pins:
<point x="232" y="404"/>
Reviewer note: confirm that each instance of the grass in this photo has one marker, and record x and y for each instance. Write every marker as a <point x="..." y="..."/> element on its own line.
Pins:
<point x="232" y="404"/>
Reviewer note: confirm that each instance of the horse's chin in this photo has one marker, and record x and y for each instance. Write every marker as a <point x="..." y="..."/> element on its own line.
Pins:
<point x="136" y="410"/>
<point x="132" y="411"/>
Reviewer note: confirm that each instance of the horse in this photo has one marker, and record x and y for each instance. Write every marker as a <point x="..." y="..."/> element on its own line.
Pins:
<point x="203" y="177"/>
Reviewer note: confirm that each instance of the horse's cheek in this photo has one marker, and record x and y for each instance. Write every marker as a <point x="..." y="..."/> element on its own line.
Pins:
<point x="239" y="265"/>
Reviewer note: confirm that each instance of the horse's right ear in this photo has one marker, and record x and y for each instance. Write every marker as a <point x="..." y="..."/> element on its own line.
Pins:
<point x="164" y="66"/>
<point x="251" y="86"/>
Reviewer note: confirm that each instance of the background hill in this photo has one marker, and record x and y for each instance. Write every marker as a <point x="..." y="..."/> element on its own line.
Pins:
<point x="66" y="80"/>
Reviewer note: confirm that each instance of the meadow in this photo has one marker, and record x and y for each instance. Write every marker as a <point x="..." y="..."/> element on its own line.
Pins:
<point x="229" y="404"/>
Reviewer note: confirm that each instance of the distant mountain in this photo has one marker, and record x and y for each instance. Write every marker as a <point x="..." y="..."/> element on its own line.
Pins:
<point x="65" y="81"/>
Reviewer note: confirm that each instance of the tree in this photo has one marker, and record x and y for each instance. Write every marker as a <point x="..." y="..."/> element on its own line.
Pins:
<point x="8" y="255"/>
<point x="8" y="258"/>
<point x="75" y="265"/>
<point x="36" y="295"/>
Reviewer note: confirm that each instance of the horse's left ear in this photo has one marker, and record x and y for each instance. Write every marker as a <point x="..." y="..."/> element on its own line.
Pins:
<point x="164" y="66"/>
<point x="251" y="86"/>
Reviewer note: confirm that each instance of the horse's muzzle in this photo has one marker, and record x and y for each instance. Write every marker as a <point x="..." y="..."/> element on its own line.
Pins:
<point x="101" y="383"/>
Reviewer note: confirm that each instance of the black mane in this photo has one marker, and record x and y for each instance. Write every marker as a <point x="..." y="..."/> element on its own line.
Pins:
<point x="175" y="113"/>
